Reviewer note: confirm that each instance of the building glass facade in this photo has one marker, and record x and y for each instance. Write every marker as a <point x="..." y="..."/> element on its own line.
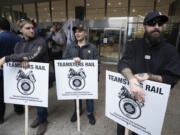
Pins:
<point x="95" y="10"/>
<point x="59" y="11"/>
<point x="43" y="12"/>
<point x="72" y="5"/>
<point x="117" y="8"/>
<point x="112" y="23"/>
<point x="29" y="11"/>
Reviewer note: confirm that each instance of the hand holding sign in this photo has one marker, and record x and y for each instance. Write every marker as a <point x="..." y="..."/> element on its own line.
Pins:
<point x="77" y="59"/>
<point x="24" y="64"/>
<point x="136" y="90"/>
<point x="2" y="61"/>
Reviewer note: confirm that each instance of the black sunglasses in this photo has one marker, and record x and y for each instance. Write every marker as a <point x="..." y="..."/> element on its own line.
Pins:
<point x="154" y="22"/>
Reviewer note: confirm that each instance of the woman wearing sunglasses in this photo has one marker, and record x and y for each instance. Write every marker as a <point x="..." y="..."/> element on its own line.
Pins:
<point x="30" y="49"/>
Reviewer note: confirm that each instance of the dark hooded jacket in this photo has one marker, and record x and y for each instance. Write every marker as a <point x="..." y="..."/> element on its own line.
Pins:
<point x="34" y="49"/>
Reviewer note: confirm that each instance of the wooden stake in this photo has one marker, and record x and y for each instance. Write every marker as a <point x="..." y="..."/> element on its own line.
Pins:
<point x="126" y="131"/>
<point x="78" y="117"/>
<point x="26" y="119"/>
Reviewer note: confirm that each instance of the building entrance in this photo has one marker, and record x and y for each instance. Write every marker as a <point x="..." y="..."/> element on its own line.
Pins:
<point x="109" y="41"/>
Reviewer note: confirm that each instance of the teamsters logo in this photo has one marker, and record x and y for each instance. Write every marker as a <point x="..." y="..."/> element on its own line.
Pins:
<point x="129" y="106"/>
<point x="25" y="82"/>
<point x="76" y="79"/>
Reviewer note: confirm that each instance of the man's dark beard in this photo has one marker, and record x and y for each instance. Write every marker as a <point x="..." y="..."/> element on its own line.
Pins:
<point x="153" y="41"/>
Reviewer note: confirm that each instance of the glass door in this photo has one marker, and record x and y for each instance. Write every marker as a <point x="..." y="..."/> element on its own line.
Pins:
<point x="96" y="37"/>
<point x="110" y="42"/>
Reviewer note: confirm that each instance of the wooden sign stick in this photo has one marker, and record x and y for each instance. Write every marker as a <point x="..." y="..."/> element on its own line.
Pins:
<point x="78" y="116"/>
<point x="126" y="131"/>
<point x="26" y="119"/>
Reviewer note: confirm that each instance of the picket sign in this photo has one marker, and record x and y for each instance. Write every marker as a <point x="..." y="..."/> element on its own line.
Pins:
<point x="28" y="87"/>
<point x="76" y="81"/>
<point x="132" y="114"/>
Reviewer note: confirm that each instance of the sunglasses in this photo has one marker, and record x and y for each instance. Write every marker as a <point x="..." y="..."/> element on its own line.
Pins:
<point x="21" y="20"/>
<point x="28" y="28"/>
<point x="154" y="22"/>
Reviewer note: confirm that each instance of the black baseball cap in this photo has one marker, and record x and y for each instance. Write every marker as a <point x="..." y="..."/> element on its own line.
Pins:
<point x="155" y="14"/>
<point x="80" y="26"/>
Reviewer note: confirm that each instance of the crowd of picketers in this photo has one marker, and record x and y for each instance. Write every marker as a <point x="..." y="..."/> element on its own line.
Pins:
<point x="148" y="58"/>
<point x="30" y="43"/>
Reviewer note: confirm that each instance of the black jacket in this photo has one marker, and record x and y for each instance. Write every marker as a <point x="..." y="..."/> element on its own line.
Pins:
<point x="34" y="49"/>
<point x="164" y="60"/>
<point x="88" y="51"/>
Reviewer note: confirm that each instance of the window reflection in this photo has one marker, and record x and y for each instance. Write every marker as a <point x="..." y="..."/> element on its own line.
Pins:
<point x="117" y="8"/>
<point x="29" y="10"/>
<point x="141" y="8"/>
<point x="163" y="6"/>
<point x="43" y="12"/>
<point x="17" y="12"/>
<point x="58" y="11"/>
<point x="71" y="7"/>
<point x="94" y="9"/>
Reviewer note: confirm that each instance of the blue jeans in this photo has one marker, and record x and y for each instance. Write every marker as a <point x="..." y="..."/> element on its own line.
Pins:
<point x="89" y="106"/>
<point x="42" y="114"/>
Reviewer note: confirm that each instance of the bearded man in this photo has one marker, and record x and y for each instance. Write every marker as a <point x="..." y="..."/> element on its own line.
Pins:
<point x="149" y="58"/>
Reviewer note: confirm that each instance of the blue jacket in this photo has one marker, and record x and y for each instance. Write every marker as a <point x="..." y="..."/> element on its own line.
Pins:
<point x="7" y="44"/>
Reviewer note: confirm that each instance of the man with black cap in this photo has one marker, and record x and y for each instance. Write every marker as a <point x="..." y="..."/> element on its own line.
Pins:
<point x="82" y="50"/>
<point x="149" y="58"/>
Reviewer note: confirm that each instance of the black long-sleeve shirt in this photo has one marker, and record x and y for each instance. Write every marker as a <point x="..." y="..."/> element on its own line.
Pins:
<point x="161" y="60"/>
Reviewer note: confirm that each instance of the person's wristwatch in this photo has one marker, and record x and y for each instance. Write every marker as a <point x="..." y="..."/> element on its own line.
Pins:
<point x="149" y="76"/>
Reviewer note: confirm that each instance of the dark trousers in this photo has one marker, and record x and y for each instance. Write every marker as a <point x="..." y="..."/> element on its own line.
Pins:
<point x="17" y="108"/>
<point x="2" y="104"/>
<point x="89" y="106"/>
<point x="121" y="130"/>
<point x="42" y="114"/>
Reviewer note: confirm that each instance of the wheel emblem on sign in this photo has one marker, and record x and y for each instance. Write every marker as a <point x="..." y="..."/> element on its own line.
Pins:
<point x="25" y="82"/>
<point x="76" y="79"/>
<point x="129" y="106"/>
